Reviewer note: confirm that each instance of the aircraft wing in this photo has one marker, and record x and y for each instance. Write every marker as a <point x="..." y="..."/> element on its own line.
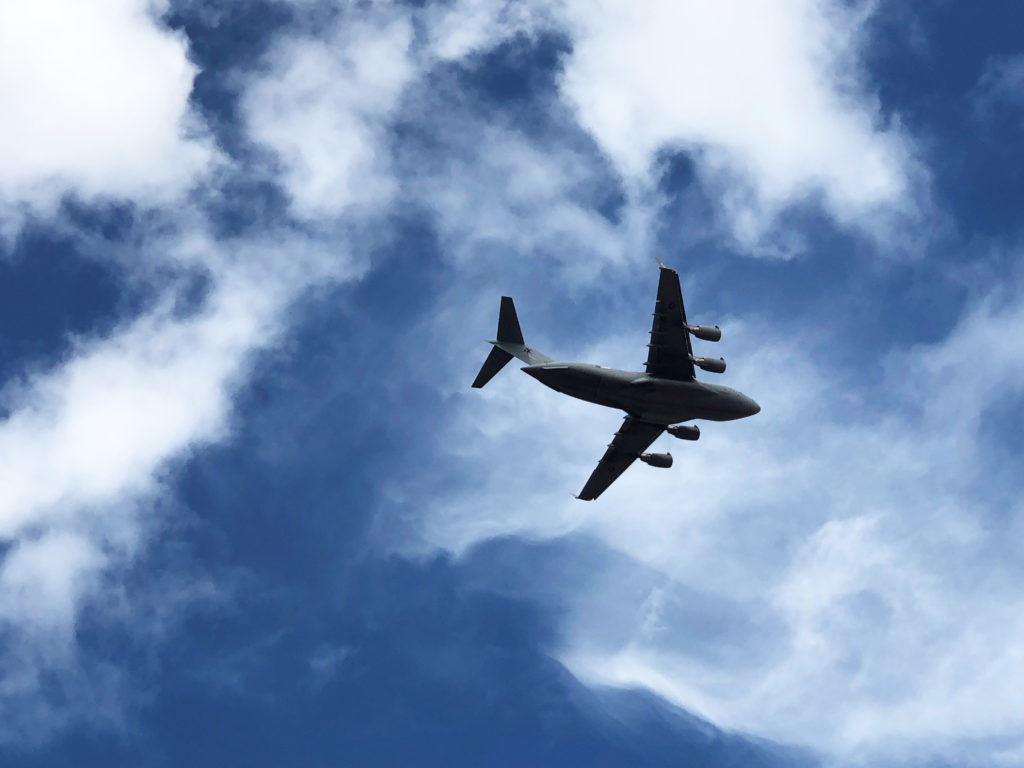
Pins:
<point x="632" y="439"/>
<point x="668" y="355"/>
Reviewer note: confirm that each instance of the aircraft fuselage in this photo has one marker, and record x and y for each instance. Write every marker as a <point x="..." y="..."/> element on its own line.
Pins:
<point x="651" y="399"/>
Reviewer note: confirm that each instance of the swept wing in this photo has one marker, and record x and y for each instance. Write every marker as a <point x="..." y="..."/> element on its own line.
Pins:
<point x="632" y="439"/>
<point x="669" y="353"/>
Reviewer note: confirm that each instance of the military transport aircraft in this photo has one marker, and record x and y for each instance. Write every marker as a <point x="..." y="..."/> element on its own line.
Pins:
<point x="655" y="401"/>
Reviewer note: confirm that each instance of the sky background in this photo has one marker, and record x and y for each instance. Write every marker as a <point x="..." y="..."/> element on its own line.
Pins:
<point x="251" y="512"/>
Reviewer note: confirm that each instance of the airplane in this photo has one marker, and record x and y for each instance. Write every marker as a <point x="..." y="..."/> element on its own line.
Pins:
<point x="655" y="401"/>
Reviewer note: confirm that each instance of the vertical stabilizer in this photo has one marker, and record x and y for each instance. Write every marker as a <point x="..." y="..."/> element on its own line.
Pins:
<point x="508" y="322"/>
<point x="509" y="344"/>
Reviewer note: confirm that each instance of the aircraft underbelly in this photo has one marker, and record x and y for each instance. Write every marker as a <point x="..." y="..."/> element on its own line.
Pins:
<point x="668" y="403"/>
<point x="660" y="401"/>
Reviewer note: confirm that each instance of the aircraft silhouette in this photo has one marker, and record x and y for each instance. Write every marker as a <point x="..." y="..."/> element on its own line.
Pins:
<point x="655" y="400"/>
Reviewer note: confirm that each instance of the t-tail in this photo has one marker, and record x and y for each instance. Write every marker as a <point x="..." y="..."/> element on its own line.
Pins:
<point x="509" y="344"/>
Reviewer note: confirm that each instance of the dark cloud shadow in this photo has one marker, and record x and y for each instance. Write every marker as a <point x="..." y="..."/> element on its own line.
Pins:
<point x="425" y="672"/>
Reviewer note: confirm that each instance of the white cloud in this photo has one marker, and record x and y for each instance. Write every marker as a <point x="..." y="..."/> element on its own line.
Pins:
<point x="40" y="580"/>
<point x="86" y="441"/>
<point x="462" y="28"/>
<point x="94" y="97"/>
<point x="839" y="570"/>
<point x="769" y="97"/>
<point x="321" y="108"/>
<point x="98" y="426"/>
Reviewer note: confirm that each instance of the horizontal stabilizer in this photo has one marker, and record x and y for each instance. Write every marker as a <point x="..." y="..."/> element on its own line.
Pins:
<point x="494" y="363"/>
<point x="526" y="354"/>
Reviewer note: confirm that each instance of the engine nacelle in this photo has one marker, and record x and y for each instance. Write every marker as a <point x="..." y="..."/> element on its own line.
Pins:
<point x="709" y="364"/>
<point x="685" y="432"/>
<point x="662" y="460"/>
<point x="705" y="332"/>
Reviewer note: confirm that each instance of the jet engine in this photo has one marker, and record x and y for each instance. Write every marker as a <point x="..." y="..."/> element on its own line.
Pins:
<point x="709" y="364"/>
<point x="705" y="332"/>
<point x="662" y="460"/>
<point x="685" y="432"/>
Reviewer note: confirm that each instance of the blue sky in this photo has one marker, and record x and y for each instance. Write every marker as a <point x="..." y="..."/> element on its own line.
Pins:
<point x="251" y="512"/>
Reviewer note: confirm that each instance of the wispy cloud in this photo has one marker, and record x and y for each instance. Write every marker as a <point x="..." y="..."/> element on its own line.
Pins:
<point x="1000" y="87"/>
<point x="87" y="442"/>
<point x="321" y="108"/>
